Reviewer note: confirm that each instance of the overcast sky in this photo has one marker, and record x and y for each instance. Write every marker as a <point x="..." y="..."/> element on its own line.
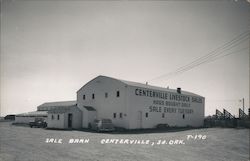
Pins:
<point x="49" y="49"/>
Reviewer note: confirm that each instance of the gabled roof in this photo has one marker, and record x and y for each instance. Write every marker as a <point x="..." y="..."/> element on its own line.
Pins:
<point x="62" y="109"/>
<point x="146" y="86"/>
<point x="58" y="104"/>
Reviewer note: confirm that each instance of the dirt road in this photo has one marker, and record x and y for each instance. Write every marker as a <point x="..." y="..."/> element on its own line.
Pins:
<point x="19" y="143"/>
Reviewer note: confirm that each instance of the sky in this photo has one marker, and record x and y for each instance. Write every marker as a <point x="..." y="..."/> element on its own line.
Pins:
<point x="50" y="49"/>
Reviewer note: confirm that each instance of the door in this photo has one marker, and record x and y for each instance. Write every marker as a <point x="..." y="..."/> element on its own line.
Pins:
<point x="139" y="119"/>
<point x="70" y="120"/>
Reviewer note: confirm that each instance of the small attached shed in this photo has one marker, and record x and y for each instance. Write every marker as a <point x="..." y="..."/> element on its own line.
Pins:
<point x="66" y="117"/>
<point x="89" y="115"/>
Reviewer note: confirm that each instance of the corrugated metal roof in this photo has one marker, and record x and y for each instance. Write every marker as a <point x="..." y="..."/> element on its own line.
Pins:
<point x="58" y="104"/>
<point x="61" y="109"/>
<point x="147" y="86"/>
<point x="33" y="113"/>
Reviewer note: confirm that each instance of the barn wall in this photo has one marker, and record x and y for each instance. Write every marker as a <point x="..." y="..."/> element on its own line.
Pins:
<point x="55" y="123"/>
<point x="105" y="107"/>
<point x="62" y="123"/>
<point x="156" y="107"/>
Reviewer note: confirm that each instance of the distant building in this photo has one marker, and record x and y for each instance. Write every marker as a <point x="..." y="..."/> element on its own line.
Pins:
<point x="54" y="105"/>
<point x="9" y="117"/>
<point x="42" y="111"/>
<point x="25" y="118"/>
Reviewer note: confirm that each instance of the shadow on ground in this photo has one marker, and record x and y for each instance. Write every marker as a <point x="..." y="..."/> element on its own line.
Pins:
<point x="136" y="131"/>
<point x="124" y="131"/>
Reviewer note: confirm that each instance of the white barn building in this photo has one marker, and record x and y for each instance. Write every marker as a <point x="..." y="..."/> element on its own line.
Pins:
<point x="134" y="105"/>
<point x="129" y="105"/>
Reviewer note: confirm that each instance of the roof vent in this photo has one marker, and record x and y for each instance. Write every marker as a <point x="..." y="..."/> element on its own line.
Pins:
<point x="179" y="90"/>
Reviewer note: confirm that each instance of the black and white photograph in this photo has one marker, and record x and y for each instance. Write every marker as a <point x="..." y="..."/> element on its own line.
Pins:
<point x="124" y="80"/>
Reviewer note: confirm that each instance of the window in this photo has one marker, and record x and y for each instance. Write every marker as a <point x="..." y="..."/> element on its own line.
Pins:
<point x="146" y="114"/>
<point x="114" y="115"/>
<point x="83" y="97"/>
<point x="117" y="93"/>
<point x="106" y="95"/>
<point x="183" y="116"/>
<point x="120" y="115"/>
<point x="163" y="115"/>
<point x="93" y="96"/>
<point x="52" y="117"/>
<point x="58" y="117"/>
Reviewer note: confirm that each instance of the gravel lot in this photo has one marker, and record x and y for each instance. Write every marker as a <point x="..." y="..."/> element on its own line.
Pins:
<point x="214" y="144"/>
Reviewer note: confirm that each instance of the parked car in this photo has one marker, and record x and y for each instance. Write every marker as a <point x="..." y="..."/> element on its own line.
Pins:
<point x="102" y="125"/>
<point x="162" y="126"/>
<point x="38" y="123"/>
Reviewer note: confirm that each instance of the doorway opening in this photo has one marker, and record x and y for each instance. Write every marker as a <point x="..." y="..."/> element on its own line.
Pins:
<point x="70" y="120"/>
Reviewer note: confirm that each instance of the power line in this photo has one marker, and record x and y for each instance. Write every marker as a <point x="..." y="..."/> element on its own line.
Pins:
<point x="211" y="56"/>
<point x="208" y="60"/>
<point x="206" y="57"/>
<point x="214" y="52"/>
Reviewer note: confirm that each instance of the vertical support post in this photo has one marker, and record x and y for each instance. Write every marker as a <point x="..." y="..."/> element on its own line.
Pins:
<point x="243" y="103"/>
<point x="249" y="113"/>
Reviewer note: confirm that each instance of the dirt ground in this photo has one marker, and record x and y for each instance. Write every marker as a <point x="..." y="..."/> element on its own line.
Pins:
<point x="18" y="143"/>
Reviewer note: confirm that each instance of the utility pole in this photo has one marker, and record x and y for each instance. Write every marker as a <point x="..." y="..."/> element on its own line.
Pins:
<point x="243" y="103"/>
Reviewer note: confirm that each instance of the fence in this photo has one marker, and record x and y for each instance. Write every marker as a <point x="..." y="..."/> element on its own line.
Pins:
<point x="226" y="119"/>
